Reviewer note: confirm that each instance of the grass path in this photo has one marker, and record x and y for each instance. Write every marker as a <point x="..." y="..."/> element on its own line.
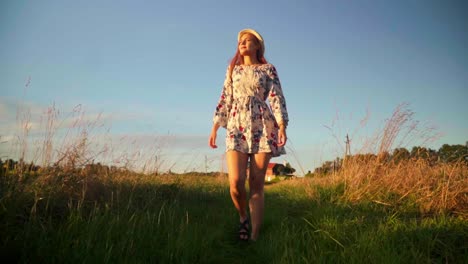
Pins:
<point x="192" y="220"/>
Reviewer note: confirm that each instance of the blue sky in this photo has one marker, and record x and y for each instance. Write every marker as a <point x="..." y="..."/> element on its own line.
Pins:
<point x="154" y="70"/>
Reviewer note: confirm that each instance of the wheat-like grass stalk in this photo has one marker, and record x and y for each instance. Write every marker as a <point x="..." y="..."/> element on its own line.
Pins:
<point x="375" y="175"/>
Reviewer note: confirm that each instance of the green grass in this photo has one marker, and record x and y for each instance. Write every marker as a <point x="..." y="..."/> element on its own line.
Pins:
<point x="188" y="219"/>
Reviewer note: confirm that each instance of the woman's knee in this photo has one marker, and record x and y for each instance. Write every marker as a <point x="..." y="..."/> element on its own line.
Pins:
<point x="257" y="174"/>
<point x="256" y="192"/>
<point x="237" y="187"/>
<point x="257" y="184"/>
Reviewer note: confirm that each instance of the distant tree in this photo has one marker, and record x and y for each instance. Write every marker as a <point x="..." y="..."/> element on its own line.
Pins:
<point x="400" y="154"/>
<point x="427" y="154"/>
<point x="289" y="169"/>
<point x="321" y="170"/>
<point x="2" y="168"/>
<point x="364" y="157"/>
<point x="280" y="169"/>
<point x="383" y="157"/>
<point x="10" y="164"/>
<point x="453" y="153"/>
<point x="31" y="167"/>
<point x="418" y="152"/>
<point x="329" y="167"/>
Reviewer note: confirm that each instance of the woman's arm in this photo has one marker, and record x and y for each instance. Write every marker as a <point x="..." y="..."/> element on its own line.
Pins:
<point x="221" y="115"/>
<point x="276" y="98"/>
<point x="278" y="105"/>
<point x="224" y="104"/>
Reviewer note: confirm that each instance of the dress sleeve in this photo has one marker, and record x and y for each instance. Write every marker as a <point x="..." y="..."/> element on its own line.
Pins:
<point x="224" y="104"/>
<point x="276" y="97"/>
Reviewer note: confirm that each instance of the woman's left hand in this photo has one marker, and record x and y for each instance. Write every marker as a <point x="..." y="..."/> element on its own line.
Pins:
<point x="282" y="138"/>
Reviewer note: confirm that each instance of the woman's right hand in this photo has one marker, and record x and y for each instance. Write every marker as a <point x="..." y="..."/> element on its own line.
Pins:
<point x="212" y="139"/>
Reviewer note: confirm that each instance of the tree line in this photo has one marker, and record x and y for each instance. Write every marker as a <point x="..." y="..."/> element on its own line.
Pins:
<point x="446" y="154"/>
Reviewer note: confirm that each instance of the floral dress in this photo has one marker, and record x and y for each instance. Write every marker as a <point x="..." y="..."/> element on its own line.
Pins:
<point x="252" y="125"/>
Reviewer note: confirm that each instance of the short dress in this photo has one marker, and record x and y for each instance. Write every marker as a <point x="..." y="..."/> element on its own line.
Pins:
<point x="251" y="124"/>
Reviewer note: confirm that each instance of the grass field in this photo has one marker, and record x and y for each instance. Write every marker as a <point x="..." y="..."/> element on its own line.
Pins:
<point x="372" y="210"/>
<point x="68" y="218"/>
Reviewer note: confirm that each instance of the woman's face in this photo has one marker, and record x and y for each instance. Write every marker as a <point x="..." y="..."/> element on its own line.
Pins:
<point x="248" y="45"/>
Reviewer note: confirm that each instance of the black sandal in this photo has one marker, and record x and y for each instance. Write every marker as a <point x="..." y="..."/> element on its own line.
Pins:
<point x="244" y="231"/>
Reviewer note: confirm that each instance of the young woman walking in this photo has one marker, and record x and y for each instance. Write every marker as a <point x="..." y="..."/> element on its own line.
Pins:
<point x="255" y="131"/>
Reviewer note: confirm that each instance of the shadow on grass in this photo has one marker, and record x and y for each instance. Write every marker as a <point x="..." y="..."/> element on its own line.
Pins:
<point x="192" y="220"/>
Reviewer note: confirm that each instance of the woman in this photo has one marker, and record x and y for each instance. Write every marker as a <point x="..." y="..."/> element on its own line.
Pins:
<point x="255" y="131"/>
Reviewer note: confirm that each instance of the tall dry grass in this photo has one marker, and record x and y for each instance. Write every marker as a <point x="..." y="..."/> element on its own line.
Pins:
<point x="442" y="187"/>
<point x="372" y="174"/>
<point x="69" y="141"/>
<point x="71" y="144"/>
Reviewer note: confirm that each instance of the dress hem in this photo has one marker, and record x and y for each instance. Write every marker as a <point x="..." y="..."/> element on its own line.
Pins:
<point x="273" y="154"/>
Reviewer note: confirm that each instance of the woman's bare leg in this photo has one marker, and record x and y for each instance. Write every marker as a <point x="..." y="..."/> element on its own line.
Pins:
<point x="237" y="169"/>
<point x="258" y="166"/>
